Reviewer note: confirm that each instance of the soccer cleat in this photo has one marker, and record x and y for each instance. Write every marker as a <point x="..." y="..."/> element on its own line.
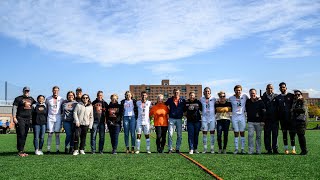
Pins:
<point x="75" y="152"/>
<point x="235" y="151"/>
<point x="293" y="152"/>
<point x="137" y="152"/>
<point x="286" y="151"/>
<point x="82" y="152"/>
<point x="191" y="152"/>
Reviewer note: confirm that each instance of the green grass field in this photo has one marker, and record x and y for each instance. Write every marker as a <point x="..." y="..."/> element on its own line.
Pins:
<point x="157" y="166"/>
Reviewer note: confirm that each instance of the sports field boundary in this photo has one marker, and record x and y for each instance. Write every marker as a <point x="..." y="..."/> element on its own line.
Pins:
<point x="205" y="169"/>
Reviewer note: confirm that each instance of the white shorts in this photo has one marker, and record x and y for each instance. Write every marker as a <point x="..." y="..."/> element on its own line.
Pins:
<point x="54" y="125"/>
<point x="143" y="128"/>
<point x="208" y="126"/>
<point x="238" y="124"/>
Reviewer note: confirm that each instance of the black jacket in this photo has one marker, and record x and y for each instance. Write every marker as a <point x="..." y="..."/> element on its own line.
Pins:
<point x="135" y="107"/>
<point x="299" y="112"/>
<point x="39" y="114"/>
<point x="271" y="107"/>
<point x="255" y="110"/>
<point x="193" y="110"/>
<point x="284" y="105"/>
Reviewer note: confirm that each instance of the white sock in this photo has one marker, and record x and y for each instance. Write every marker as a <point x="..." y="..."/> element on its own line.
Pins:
<point x="204" y="140"/>
<point x="236" y="144"/>
<point x="49" y="141"/>
<point x="294" y="148"/>
<point x="148" y="144"/>
<point x="286" y="147"/>
<point x="138" y="144"/>
<point x="243" y="142"/>
<point x="212" y="139"/>
<point x="57" y="141"/>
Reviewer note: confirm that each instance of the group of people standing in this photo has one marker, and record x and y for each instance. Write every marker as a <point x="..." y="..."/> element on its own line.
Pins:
<point x="77" y="114"/>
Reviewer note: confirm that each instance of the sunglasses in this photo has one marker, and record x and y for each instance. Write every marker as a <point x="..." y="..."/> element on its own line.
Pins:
<point x="222" y="96"/>
<point x="297" y="94"/>
<point x="85" y="98"/>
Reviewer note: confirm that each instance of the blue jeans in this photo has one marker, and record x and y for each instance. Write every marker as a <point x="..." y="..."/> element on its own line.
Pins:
<point x="114" y="136"/>
<point x="172" y="124"/>
<point x="68" y="127"/>
<point x="193" y="134"/>
<point x="129" y="126"/>
<point x="97" y="127"/>
<point x="38" y="132"/>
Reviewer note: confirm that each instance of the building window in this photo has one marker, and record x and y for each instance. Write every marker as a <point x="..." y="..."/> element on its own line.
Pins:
<point x="183" y="89"/>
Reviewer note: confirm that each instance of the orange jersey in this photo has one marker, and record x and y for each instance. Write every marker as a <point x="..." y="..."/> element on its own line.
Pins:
<point x="160" y="114"/>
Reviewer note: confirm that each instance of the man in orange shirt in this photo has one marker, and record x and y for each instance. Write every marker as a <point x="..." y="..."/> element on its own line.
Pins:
<point x="160" y="113"/>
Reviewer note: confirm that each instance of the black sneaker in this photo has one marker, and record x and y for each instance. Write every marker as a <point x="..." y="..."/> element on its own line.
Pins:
<point x="58" y="152"/>
<point x="177" y="151"/>
<point x="48" y="152"/>
<point x="275" y="151"/>
<point x="304" y="153"/>
<point x="66" y="150"/>
<point x="269" y="152"/>
<point x="101" y="152"/>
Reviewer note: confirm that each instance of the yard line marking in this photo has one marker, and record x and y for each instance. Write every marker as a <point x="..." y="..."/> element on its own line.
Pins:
<point x="198" y="164"/>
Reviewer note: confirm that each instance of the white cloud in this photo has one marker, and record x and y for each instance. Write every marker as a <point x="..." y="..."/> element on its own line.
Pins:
<point x="163" y="69"/>
<point x="112" y="32"/>
<point x="313" y="93"/>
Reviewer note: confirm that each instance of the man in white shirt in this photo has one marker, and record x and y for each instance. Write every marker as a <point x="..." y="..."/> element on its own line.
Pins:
<point x="143" y="121"/>
<point x="238" y="102"/>
<point x="53" y="104"/>
<point x="208" y="118"/>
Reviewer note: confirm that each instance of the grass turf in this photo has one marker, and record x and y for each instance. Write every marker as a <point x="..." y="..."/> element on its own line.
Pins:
<point x="157" y="166"/>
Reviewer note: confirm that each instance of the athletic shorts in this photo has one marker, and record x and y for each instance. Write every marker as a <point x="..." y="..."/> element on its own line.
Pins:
<point x="208" y="126"/>
<point x="54" y="125"/>
<point x="143" y="128"/>
<point x="239" y="124"/>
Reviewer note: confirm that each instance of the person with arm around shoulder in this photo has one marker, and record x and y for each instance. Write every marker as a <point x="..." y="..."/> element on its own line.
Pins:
<point x="130" y="114"/>
<point x="83" y="120"/>
<point x="22" y="114"/>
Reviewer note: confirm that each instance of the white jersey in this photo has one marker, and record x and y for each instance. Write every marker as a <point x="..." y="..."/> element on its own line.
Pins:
<point x="54" y="108"/>
<point x="208" y="110"/>
<point x="143" y="112"/>
<point x="238" y="106"/>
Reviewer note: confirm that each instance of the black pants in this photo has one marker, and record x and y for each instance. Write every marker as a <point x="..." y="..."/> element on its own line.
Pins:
<point x="223" y="126"/>
<point x="82" y="133"/>
<point x="301" y="129"/>
<point x="271" y="129"/>
<point x="161" y="132"/>
<point x="114" y="135"/>
<point x="292" y="137"/>
<point x="22" y="131"/>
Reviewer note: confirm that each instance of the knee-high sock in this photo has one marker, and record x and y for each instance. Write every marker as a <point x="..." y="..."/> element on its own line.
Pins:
<point x="148" y="144"/>
<point x="212" y="140"/>
<point x="138" y="144"/>
<point x="243" y="142"/>
<point x="204" y="140"/>
<point x="236" y="144"/>
<point x="49" y="141"/>
<point x="57" y="141"/>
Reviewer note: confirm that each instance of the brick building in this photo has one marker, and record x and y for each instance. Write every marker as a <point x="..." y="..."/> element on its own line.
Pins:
<point x="311" y="101"/>
<point x="166" y="89"/>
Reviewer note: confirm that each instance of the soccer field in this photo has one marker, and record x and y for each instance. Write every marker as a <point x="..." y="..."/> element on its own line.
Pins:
<point x="157" y="166"/>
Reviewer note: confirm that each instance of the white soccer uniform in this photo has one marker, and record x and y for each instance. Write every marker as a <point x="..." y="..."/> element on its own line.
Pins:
<point x="54" y="113"/>
<point x="208" y="114"/>
<point x="143" y="121"/>
<point x="238" y="112"/>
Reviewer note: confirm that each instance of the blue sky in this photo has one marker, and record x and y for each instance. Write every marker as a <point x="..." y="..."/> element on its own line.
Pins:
<point x="108" y="45"/>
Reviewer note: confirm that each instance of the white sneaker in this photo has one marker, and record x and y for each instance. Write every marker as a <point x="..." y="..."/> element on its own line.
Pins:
<point x="40" y="152"/>
<point x="137" y="152"/>
<point x="242" y="151"/>
<point x="82" y="152"/>
<point x="191" y="152"/>
<point x="75" y="152"/>
<point x="37" y="152"/>
<point x="212" y="151"/>
<point x="149" y="152"/>
<point x="196" y="151"/>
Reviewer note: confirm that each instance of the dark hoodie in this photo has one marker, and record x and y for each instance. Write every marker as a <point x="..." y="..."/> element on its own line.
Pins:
<point x="99" y="111"/>
<point x="114" y="114"/>
<point x="39" y="114"/>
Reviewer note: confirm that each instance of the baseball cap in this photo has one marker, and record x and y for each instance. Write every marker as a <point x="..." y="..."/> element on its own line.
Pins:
<point x="26" y="88"/>
<point x="79" y="89"/>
